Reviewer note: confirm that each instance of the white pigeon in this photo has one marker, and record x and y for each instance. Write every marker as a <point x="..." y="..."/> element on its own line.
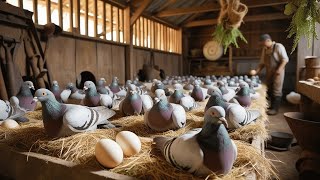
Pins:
<point x="72" y="95"/>
<point x="66" y="119"/>
<point x="203" y="150"/>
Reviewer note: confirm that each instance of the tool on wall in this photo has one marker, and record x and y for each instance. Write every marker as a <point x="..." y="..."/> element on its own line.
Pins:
<point x="12" y="73"/>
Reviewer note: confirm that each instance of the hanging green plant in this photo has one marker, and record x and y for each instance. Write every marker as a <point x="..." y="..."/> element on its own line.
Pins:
<point x="230" y="18"/>
<point x="226" y="37"/>
<point x="305" y="14"/>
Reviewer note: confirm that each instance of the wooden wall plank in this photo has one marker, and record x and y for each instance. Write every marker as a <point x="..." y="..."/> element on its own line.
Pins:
<point x="118" y="65"/>
<point x="85" y="56"/>
<point x="104" y="62"/>
<point x="62" y="60"/>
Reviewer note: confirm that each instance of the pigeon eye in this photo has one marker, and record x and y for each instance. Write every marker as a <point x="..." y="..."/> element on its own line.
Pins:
<point x="44" y="94"/>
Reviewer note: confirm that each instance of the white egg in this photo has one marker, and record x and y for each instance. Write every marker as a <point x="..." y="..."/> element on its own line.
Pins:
<point x="108" y="153"/>
<point x="129" y="142"/>
<point x="253" y="72"/>
<point x="10" y="124"/>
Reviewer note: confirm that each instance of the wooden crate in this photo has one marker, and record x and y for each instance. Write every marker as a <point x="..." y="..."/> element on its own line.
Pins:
<point x="309" y="90"/>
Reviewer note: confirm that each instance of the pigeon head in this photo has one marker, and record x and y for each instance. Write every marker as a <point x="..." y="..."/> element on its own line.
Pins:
<point x="69" y="86"/>
<point x="55" y="83"/>
<point x="208" y="82"/>
<point x="43" y="95"/>
<point x="132" y="87"/>
<point x="243" y="84"/>
<point x="28" y="84"/>
<point x="88" y="85"/>
<point x="4" y="109"/>
<point x="101" y="82"/>
<point x="216" y="114"/>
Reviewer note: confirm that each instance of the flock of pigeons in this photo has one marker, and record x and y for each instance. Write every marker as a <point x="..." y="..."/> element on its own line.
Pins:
<point x="164" y="105"/>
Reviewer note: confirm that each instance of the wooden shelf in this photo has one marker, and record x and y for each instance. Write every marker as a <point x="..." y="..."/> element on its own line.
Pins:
<point x="309" y="90"/>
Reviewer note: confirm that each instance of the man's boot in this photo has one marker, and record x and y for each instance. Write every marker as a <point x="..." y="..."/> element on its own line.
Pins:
<point x="275" y="104"/>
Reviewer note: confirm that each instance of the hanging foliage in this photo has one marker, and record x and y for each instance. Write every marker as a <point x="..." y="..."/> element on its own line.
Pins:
<point x="230" y="18"/>
<point x="305" y="14"/>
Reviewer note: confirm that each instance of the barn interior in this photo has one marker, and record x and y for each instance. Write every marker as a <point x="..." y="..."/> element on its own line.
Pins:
<point x="76" y="41"/>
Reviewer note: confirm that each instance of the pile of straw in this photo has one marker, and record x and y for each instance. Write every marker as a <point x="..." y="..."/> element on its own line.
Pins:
<point x="149" y="163"/>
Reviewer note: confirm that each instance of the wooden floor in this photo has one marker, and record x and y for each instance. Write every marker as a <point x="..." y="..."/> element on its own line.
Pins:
<point x="284" y="161"/>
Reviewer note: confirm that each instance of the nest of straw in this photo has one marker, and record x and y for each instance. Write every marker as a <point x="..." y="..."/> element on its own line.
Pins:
<point x="149" y="163"/>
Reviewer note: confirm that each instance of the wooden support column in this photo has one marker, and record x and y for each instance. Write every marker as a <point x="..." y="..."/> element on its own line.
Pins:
<point x="139" y="11"/>
<point x="95" y="18"/>
<point x="129" y="49"/>
<point x="48" y="3"/>
<point x="87" y="17"/>
<point x="60" y="5"/>
<point x="35" y="11"/>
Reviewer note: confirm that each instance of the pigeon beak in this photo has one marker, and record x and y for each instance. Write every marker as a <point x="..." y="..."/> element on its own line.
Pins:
<point x="85" y="88"/>
<point x="156" y="99"/>
<point x="224" y="121"/>
<point x="32" y="87"/>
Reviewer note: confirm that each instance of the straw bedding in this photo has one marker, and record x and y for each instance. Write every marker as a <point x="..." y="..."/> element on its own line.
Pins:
<point x="149" y="163"/>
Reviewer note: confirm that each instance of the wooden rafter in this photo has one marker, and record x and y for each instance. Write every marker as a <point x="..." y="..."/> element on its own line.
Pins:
<point x="166" y="5"/>
<point x="216" y="7"/>
<point x="139" y="11"/>
<point x="260" y="17"/>
<point x="189" y="10"/>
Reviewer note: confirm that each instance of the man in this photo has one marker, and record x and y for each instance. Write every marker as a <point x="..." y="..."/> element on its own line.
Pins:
<point x="274" y="58"/>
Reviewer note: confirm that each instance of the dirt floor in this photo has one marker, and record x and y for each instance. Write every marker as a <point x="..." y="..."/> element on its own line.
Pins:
<point x="285" y="160"/>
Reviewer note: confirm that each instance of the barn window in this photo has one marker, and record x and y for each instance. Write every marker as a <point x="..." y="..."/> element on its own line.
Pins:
<point x="151" y="34"/>
<point x="94" y="18"/>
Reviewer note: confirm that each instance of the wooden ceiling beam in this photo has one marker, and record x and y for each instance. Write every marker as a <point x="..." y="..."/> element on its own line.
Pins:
<point x="216" y="7"/>
<point x="260" y="17"/>
<point x="118" y="3"/>
<point x="263" y="3"/>
<point x="137" y="13"/>
<point x="189" y="10"/>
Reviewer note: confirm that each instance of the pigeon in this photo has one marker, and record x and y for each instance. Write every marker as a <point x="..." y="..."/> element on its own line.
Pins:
<point x="227" y="93"/>
<point x="208" y="83"/>
<point x="164" y="116"/>
<point x="66" y="119"/>
<point x="198" y="93"/>
<point x="93" y="98"/>
<point x="11" y="110"/>
<point x="243" y="95"/>
<point x="114" y="86"/>
<point x="160" y="94"/>
<point x="236" y="115"/>
<point x="157" y="85"/>
<point x="25" y="96"/>
<point x="201" y="151"/>
<point x="72" y="95"/>
<point x="189" y="86"/>
<point x="101" y="87"/>
<point x="253" y="94"/>
<point x="187" y="102"/>
<point x="55" y="89"/>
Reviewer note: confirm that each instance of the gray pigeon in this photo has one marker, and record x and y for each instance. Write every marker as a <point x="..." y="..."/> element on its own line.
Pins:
<point x="93" y="98"/>
<point x="25" y="96"/>
<point x="236" y="115"/>
<point x="101" y="87"/>
<point x="66" y="119"/>
<point x="203" y="150"/>
<point x="164" y="116"/>
<point x="55" y="89"/>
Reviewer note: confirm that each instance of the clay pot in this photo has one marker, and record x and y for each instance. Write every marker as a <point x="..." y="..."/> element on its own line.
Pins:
<point x="306" y="131"/>
<point x="312" y="61"/>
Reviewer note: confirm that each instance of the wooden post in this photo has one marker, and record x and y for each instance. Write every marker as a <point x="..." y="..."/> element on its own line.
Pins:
<point x="111" y="20"/>
<point x="95" y="18"/>
<point x="35" y="11"/>
<point x="60" y="10"/>
<point x="78" y="16"/>
<point x="129" y="49"/>
<point x="230" y="60"/>
<point x="71" y="15"/>
<point x="48" y="3"/>
<point x="118" y="26"/>
<point x="20" y="4"/>
<point x="87" y="17"/>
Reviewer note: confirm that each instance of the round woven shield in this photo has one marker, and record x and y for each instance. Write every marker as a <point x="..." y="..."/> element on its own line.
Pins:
<point x="212" y="50"/>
